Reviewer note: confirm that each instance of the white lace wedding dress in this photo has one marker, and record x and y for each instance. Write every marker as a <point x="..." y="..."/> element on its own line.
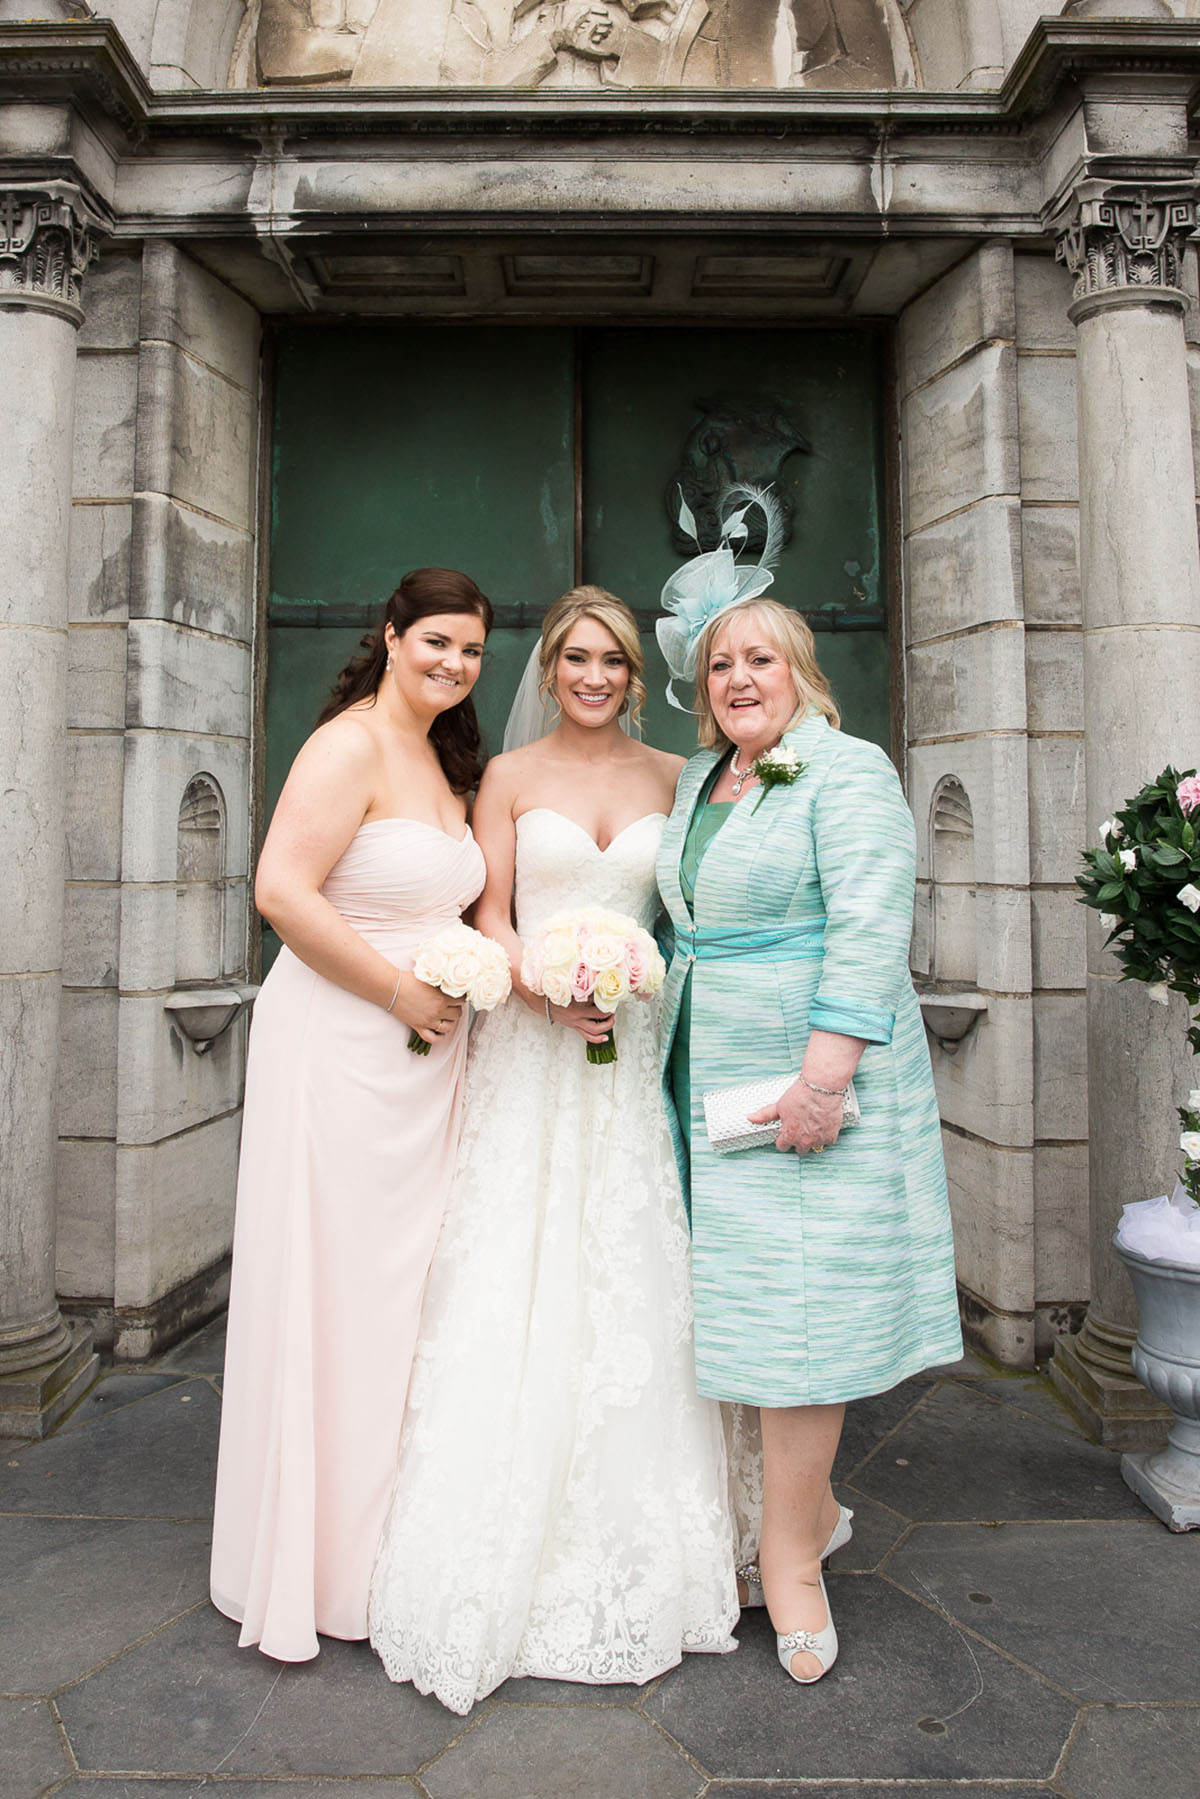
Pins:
<point x="561" y="1505"/>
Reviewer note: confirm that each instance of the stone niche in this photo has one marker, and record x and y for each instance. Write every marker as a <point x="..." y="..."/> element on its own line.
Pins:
<point x="589" y="44"/>
<point x="954" y="955"/>
<point x="200" y="884"/>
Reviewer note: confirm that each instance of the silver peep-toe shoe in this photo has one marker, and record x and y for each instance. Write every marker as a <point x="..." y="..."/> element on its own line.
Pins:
<point x="751" y="1578"/>
<point x="821" y="1643"/>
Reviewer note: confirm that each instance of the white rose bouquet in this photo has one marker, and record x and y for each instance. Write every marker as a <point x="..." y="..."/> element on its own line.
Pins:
<point x="464" y="964"/>
<point x="1144" y="880"/>
<point x="591" y="954"/>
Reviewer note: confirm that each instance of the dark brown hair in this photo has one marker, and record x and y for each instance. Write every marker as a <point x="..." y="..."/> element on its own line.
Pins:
<point x="423" y="593"/>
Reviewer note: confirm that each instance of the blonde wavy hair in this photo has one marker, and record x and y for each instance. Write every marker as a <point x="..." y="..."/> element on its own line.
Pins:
<point x="788" y="633"/>
<point x="605" y="609"/>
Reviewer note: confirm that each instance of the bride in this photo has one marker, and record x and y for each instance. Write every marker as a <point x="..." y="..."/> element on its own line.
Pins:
<point x="560" y="1503"/>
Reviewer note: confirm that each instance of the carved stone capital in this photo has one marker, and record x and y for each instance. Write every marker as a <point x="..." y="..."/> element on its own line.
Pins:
<point x="48" y="238"/>
<point x="1125" y="243"/>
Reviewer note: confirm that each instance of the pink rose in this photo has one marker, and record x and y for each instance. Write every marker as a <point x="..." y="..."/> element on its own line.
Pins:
<point x="581" y="982"/>
<point x="637" y="964"/>
<point x="1188" y="793"/>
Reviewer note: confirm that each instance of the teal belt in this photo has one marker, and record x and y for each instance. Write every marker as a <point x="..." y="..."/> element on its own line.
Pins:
<point x="790" y="943"/>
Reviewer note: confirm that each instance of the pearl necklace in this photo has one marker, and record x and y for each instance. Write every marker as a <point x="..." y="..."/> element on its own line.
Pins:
<point x="740" y="775"/>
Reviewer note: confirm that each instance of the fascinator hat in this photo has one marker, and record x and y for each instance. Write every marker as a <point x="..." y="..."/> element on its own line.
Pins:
<point x="712" y="581"/>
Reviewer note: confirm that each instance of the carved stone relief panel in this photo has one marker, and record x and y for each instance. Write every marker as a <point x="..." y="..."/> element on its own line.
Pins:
<point x="736" y="438"/>
<point x="579" y="43"/>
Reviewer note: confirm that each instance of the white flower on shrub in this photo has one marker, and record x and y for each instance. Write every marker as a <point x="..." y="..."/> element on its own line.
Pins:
<point x="1189" y="1143"/>
<point x="1127" y="859"/>
<point x="1190" y="897"/>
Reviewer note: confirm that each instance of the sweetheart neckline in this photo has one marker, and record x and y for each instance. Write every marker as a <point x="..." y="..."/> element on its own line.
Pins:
<point x="422" y="823"/>
<point x="553" y="812"/>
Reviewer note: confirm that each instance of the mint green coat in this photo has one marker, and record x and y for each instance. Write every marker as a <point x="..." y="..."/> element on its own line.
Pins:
<point x="817" y="1278"/>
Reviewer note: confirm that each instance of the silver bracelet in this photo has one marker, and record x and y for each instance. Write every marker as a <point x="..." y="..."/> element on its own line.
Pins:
<point x="829" y="1092"/>
<point x="549" y="1018"/>
<point x="396" y="989"/>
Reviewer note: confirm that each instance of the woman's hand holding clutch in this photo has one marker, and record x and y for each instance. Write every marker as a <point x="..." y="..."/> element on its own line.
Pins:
<point x="808" y="1120"/>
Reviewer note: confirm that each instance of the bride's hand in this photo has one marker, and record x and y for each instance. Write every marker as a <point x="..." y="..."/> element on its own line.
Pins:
<point x="425" y="1009"/>
<point x="592" y="1024"/>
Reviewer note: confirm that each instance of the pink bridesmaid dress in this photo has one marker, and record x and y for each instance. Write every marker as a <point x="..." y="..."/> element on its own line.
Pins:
<point x="348" y="1145"/>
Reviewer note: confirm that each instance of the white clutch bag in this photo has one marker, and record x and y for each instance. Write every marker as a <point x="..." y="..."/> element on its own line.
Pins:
<point x="726" y="1109"/>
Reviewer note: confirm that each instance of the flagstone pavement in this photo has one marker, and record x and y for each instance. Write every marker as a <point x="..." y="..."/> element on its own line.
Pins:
<point x="1013" y="1624"/>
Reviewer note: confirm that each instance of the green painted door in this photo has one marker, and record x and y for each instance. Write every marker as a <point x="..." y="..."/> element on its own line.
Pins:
<point x="534" y="457"/>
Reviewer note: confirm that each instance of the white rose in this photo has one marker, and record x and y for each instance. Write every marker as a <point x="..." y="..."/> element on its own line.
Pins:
<point x="1193" y="1100"/>
<point x="491" y="986"/>
<point x="612" y="986"/>
<point x="1159" y="992"/>
<point x="1128" y="860"/>
<point x="1190" y="897"/>
<point x="430" y="964"/>
<point x="783" y="760"/>
<point x="603" y="950"/>
<point x="1189" y="1143"/>
<point x="556" y="985"/>
<point x="461" y="971"/>
<point x="1109" y="921"/>
<point x="656" y="976"/>
<point x="1106" y="831"/>
<point x="558" y="950"/>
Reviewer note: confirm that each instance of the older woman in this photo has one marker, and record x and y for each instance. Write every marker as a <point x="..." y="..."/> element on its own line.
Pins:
<point x="823" y="1263"/>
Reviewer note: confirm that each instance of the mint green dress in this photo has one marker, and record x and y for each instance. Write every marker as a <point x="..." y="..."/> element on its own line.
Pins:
<point x="706" y="822"/>
<point x="816" y="1278"/>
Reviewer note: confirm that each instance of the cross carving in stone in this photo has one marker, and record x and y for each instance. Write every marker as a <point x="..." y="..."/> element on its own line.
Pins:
<point x="1143" y="224"/>
<point x="12" y="212"/>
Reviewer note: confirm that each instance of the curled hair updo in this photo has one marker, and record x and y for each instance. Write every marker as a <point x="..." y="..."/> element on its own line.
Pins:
<point x="605" y="609"/>
<point x="423" y="593"/>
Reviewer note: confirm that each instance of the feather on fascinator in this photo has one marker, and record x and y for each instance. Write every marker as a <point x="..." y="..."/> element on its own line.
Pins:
<point x="712" y="581"/>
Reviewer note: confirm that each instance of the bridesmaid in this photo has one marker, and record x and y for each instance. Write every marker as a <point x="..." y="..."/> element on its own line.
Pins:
<point x="348" y="1140"/>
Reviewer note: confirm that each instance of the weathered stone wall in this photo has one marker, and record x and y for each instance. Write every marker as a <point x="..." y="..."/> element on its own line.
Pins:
<point x="994" y="703"/>
<point x="1054" y="697"/>
<point x="160" y="685"/>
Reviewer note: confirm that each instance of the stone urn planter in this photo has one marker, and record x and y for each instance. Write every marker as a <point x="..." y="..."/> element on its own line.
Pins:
<point x="1166" y="1359"/>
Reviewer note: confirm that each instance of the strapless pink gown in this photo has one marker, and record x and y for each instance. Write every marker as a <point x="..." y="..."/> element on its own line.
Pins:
<point x="348" y="1145"/>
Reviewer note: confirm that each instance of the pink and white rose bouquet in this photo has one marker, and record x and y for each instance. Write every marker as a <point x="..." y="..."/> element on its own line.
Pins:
<point x="593" y="955"/>
<point x="464" y="964"/>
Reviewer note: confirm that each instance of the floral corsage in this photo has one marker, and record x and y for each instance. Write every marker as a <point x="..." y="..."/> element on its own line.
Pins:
<point x="776" y="768"/>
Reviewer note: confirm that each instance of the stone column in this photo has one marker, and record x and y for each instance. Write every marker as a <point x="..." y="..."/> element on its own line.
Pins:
<point x="1140" y="576"/>
<point x="47" y="238"/>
